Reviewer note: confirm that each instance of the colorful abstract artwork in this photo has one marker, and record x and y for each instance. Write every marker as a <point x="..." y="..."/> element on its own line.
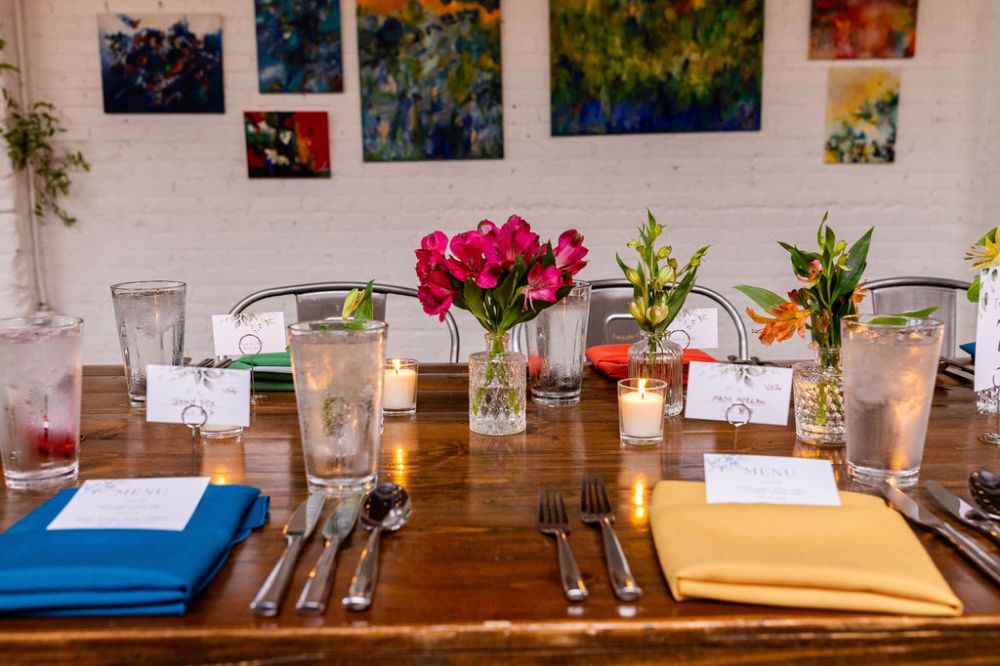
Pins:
<point x="863" y="29"/>
<point x="298" y="46"/>
<point x="161" y="63"/>
<point x="861" y="115"/>
<point x="430" y="79"/>
<point x="655" y="65"/>
<point x="287" y="145"/>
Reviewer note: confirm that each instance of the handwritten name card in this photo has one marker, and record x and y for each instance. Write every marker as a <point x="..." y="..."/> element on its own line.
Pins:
<point x="714" y="387"/>
<point x="249" y="333"/>
<point x="988" y="330"/>
<point x="224" y="395"/>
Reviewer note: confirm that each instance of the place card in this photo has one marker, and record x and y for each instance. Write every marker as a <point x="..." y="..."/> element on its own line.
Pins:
<point x="223" y="394"/>
<point x="715" y="387"/>
<point x="701" y="325"/>
<point x="739" y="479"/>
<point x="230" y="333"/>
<point x="988" y="330"/>
<point x="132" y="504"/>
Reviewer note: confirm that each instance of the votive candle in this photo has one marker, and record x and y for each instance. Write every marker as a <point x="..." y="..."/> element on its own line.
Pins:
<point x="399" y="386"/>
<point x="640" y="410"/>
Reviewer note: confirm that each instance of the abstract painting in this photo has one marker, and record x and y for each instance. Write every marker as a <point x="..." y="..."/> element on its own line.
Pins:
<point x="161" y="63"/>
<point x="287" y="145"/>
<point x="298" y="46"/>
<point x="430" y="79"/>
<point x="862" y="29"/>
<point x="861" y="115"/>
<point x="655" y="65"/>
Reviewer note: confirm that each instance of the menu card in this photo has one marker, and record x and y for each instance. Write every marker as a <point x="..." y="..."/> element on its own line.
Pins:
<point x="249" y="333"/>
<point x="224" y="395"/>
<point x="714" y="387"/>
<point x="988" y="330"/>
<point x="701" y="325"/>
<point x="738" y="479"/>
<point x="132" y="504"/>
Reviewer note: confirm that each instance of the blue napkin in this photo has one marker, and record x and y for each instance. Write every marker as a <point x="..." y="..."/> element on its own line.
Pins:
<point x="969" y="348"/>
<point x="122" y="572"/>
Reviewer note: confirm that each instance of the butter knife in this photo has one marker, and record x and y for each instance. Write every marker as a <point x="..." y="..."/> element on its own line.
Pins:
<point x="338" y="527"/>
<point x="963" y="511"/>
<point x="297" y="530"/>
<point x="971" y="550"/>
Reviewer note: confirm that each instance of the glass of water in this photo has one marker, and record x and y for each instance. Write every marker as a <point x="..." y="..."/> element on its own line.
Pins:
<point x="150" y="317"/>
<point x="339" y="366"/>
<point x="40" y="392"/>
<point x="890" y="366"/>
<point x="556" y="340"/>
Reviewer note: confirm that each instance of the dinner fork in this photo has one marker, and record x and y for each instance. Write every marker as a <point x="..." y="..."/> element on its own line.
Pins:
<point x="595" y="509"/>
<point x="554" y="521"/>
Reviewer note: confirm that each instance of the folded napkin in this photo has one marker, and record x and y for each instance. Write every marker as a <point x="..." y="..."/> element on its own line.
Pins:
<point x="122" y="572"/>
<point x="969" y="348"/>
<point x="859" y="556"/>
<point x="612" y="360"/>
<point x="271" y="372"/>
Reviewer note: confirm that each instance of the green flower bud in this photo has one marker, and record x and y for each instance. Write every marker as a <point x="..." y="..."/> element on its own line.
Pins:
<point x="632" y="276"/>
<point x="664" y="252"/>
<point x="351" y="303"/>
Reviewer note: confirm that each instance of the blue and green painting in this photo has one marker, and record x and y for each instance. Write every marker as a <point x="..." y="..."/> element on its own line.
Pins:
<point x="161" y="63"/>
<point x="298" y="46"/>
<point x="430" y="79"/>
<point x="622" y="67"/>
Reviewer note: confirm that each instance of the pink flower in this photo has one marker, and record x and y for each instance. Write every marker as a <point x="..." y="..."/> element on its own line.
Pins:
<point x="468" y="261"/>
<point x="570" y="252"/>
<point x="815" y="270"/>
<point x="430" y="256"/>
<point x="436" y="293"/>
<point x="514" y="238"/>
<point x="543" y="283"/>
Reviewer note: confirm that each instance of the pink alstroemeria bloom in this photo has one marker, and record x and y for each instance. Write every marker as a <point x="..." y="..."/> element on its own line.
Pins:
<point x="504" y="244"/>
<point x="543" y="283"/>
<point x="815" y="270"/>
<point x="436" y="293"/>
<point x="570" y="252"/>
<point x="430" y="256"/>
<point x="468" y="261"/>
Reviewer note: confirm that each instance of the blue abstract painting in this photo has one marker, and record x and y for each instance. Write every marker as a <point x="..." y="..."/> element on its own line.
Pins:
<point x="161" y="63"/>
<point x="298" y="46"/>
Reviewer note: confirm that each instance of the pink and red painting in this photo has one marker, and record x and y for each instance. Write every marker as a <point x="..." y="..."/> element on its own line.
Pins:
<point x="861" y="29"/>
<point x="287" y="144"/>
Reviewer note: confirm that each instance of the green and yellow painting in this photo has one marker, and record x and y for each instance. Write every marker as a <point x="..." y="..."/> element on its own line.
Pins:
<point x="430" y="79"/>
<point x="861" y="115"/>
<point x="632" y="66"/>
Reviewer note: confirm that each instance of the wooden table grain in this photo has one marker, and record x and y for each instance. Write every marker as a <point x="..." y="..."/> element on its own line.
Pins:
<point x="470" y="579"/>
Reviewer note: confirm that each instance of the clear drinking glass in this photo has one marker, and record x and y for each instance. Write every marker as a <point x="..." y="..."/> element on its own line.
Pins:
<point x="150" y="316"/>
<point x="890" y="366"/>
<point x="556" y="341"/>
<point x="40" y="392"/>
<point x="338" y="367"/>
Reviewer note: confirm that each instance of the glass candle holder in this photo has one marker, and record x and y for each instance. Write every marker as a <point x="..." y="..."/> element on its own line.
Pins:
<point x="640" y="410"/>
<point x="399" y="386"/>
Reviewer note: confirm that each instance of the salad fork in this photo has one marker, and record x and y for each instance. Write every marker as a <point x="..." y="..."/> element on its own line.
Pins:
<point x="554" y="521"/>
<point x="595" y="509"/>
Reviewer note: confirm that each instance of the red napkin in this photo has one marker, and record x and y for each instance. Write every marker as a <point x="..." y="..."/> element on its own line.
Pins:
<point x="612" y="360"/>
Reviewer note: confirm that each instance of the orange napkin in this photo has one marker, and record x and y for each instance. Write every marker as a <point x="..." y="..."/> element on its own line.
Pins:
<point x="612" y="360"/>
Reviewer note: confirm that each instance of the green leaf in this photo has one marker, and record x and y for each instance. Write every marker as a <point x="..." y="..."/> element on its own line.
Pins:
<point x="973" y="293"/>
<point x="763" y="297"/>
<point x="919" y="314"/>
<point x="800" y="263"/>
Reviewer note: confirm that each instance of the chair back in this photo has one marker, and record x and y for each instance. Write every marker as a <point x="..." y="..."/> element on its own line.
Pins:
<point x="909" y="294"/>
<point x="319" y="300"/>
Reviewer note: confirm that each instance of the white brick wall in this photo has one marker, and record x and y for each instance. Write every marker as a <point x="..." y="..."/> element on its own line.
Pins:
<point x="169" y="197"/>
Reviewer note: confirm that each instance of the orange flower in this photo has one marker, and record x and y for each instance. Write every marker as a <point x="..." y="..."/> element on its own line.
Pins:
<point x="788" y="319"/>
<point x="858" y="295"/>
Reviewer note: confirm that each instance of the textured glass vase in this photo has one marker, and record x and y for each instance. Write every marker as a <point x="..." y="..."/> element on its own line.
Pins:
<point x="818" y="390"/>
<point x="655" y="357"/>
<point x="497" y="380"/>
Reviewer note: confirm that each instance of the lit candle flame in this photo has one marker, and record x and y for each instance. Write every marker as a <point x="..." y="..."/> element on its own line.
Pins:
<point x="642" y="389"/>
<point x="395" y="365"/>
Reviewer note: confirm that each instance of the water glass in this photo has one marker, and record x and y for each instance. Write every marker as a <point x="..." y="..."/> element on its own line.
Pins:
<point x="150" y="317"/>
<point x="556" y="340"/>
<point x="40" y="394"/>
<point x="338" y="366"/>
<point x="890" y="366"/>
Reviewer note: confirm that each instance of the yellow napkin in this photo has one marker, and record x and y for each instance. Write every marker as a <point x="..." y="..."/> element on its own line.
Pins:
<point x="859" y="556"/>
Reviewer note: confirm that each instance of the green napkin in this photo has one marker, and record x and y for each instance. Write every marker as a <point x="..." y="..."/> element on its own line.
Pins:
<point x="272" y="372"/>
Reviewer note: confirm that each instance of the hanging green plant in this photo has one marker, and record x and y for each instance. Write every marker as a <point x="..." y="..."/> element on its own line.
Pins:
<point x="28" y="134"/>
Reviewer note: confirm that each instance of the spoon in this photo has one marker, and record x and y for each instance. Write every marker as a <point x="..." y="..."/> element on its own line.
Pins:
<point x="985" y="488"/>
<point x="385" y="508"/>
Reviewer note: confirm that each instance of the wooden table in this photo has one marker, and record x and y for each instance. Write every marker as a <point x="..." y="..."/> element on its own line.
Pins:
<point x="470" y="579"/>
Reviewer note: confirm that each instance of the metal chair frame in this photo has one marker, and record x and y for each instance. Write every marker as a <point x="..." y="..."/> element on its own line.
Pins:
<point x="922" y="281"/>
<point x="344" y="287"/>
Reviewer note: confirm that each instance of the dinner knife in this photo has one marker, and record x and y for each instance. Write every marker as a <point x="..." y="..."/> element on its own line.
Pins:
<point x="972" y="551"/>
<point x="297" y="530"/>
<point x="963" y="511"/>
<point x="338" y="527"/>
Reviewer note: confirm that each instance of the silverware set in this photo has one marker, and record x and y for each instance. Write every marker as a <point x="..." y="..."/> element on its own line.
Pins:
<point x="213" y="362"/>
<point x="980" y="519"/>
<point x="595" y="510"/>
<point x="385" y="508"/>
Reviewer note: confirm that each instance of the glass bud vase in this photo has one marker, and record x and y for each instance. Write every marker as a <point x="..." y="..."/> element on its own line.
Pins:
<point x="653" y="356"/>
<point x="818" y="391"/>
<point x="497" y="380"/>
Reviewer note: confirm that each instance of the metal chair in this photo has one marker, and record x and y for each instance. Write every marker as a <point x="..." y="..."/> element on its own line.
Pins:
<point x="911" y="293"/>
<point x="319" y="300"/>
<point x="610" y="321"/>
